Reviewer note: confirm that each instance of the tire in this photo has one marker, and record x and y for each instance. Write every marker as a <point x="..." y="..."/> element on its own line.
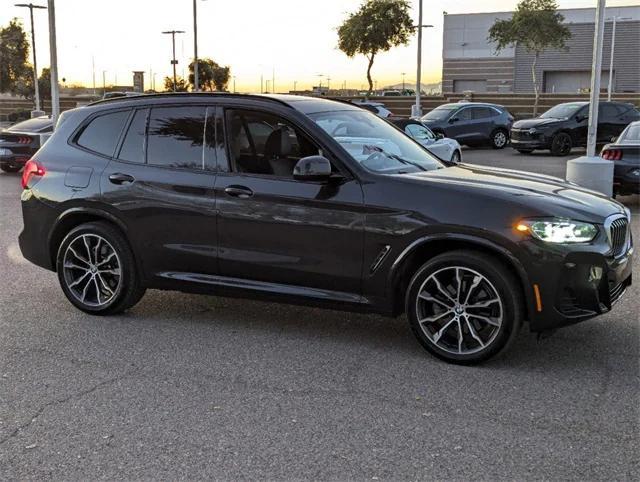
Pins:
<point x="10" y="168"/>
<point x="561" y="144"/>
<point x="499" y="138"/>
<point x="525" y="151"/>
<point x="453" y="331"/>
<point x="97" y="270"/>
<point x="456" y="157"/>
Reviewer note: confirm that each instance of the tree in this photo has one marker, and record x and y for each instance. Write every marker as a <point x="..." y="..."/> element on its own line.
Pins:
<point x="24" y="86"/>
<point x="536" y="25"/>
<point x="210" y="75"/>
<point x="181" y="84"/>
<point x="14" y="50"/>
<point x="377" y="26"/>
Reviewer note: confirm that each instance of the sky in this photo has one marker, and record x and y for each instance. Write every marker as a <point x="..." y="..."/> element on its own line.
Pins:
<point x="293" y="40"/>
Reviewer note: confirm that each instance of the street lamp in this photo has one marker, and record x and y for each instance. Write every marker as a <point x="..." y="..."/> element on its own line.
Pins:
<point x="174" y="62"/>
<point x="36" y="87"/>
<point x="53" y="63"/>
<point x="416" y="110"/>
<point x="403" y="74"/>
<point x="613" y="44"/>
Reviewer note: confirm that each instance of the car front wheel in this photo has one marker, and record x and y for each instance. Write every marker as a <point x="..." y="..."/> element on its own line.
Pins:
<point x="561" y="144"/>
<point x="96" y="270"/>
<point x="499" y="139"/>
<point x="456" y="158"/>
<point x="464" y="307"/>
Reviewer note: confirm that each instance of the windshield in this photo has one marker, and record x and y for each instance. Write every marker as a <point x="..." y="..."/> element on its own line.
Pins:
<point x="441" y="113"/>
<point x="631" y="135"/>
<point x="563" y="111"/>
<point x="374" y="143"/>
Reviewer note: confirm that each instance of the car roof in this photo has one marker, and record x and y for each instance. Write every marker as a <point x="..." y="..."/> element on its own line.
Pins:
<point x="472" y="104"/>
<point x="306" y="105"/>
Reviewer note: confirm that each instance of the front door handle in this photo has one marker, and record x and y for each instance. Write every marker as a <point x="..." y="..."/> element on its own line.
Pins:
<point x="119" y="178"/>
<point x="241" y="192"/>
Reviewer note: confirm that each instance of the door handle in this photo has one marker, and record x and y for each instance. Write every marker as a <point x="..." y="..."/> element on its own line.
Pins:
<point x="241" y="192"/>
<point x="119" y="178"/>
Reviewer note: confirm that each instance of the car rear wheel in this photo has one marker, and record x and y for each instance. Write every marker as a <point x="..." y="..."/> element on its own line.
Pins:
<point x="464" y="307"/>
<point x="499" y="139"/>
<point x="96" y="270"/>
<point x="10" y="167"/>
<point x="561" y="144"/>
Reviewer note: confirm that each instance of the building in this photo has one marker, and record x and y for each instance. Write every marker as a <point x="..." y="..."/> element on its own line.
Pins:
<point x="470" y="62"/>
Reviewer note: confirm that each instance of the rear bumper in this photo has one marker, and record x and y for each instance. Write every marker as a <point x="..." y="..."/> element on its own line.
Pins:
<point x="34" y="238"/>
<point x="625" y="181"/>
<point x="15" y="159"/>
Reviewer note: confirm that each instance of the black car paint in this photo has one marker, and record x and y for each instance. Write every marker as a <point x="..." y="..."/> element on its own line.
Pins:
<point x="350" y="242"/>
<point x="575" y="126"/>
<point x="473" y="131"/>
<point x="625" y="179"/>
<point x="21" y="152"/>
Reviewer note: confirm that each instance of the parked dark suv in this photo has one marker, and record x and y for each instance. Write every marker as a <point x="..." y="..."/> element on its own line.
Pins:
<point x="471" y="123"/>
<point x="313" y="201"/>
<point x="565" y="126"/>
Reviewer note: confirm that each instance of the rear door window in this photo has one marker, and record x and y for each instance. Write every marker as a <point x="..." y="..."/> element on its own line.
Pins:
<point x="133" y="147"/>
<point x="102" y="133"/>
<point x="464" y="114"/>
<point x="482" y="112"/>
<point x="176" y="137"/>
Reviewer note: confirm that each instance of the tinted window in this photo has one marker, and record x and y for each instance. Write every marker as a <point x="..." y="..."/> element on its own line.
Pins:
<point x="261" y="143"/>
<point x="175" y="137"/>
<point x="102" y="133"/>
<point x="608" y="111"/>
<point x="133" y="146"/>
<point x="464" y="114"/>
<point x="483" y="112"/>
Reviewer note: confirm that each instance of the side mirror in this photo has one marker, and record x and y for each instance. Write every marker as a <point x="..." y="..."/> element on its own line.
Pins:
<point x="312" y="168"/>
<point x="453" y="119"/>
<point x="439" y="135"/>
<point x="580" y="118"/>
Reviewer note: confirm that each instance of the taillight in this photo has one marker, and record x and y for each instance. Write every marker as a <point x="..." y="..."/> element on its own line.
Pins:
<point x="612" y="154"/>
<point x="31" y="169"/>
<point x="24" y="140"/>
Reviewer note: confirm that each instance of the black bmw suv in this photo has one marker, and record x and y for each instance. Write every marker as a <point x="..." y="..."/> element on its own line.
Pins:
<point x="318" y="202"/>
<point x="565" y="126"/>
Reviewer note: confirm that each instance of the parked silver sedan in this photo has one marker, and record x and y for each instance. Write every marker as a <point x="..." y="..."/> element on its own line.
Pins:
<point x="443" y="147"/>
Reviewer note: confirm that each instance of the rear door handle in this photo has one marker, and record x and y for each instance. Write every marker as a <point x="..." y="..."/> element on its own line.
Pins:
<point x="241" y="192"/>
<point x="119" y="178"/>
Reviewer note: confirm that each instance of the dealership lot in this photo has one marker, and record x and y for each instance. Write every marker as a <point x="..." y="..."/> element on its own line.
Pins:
<point x="193" y="386"/>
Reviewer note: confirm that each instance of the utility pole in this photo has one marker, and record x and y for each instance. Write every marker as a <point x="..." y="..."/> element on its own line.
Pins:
<point x="174" y="62"/>
<point x="295" y="83"/>
<point x="613" y="45"/>
<point x="416" y="110"/>
<point x="104" y="84"/>
<point x="196" y="79"/>
<point x="596" y="72"/>
<point x="36" y="87"/>
<point x="93" y="73"/>
<point x="53" y="50"/>
<point x="403" y="74"/>
<point x="234" y="84"/>
<point x="273" y="80"/>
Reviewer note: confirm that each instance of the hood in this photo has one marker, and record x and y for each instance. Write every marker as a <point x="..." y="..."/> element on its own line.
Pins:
<point x="537" y="122"/>
<point x="536" y="194"/>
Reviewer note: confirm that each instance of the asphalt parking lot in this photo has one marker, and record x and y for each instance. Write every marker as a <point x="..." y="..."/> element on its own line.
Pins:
<point x="187" y="386"/>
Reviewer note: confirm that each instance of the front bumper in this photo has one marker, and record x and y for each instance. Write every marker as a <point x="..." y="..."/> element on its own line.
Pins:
<point x="522" y="139"/>
<point x="575" y="286"/>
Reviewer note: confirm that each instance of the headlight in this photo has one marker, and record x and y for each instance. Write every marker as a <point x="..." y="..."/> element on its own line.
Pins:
<point x="559" y="230"/>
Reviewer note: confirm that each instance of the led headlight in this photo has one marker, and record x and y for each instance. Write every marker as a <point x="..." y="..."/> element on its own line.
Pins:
<point x="560" y="230"/>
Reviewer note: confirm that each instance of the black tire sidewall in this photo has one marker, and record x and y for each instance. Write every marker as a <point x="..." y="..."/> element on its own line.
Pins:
<point x="129" y="277"/>
<point x="555" y="148"/>
<point x="503" y="282"/>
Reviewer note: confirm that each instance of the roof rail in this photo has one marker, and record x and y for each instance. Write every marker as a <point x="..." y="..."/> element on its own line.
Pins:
<point x="188" y="94"/>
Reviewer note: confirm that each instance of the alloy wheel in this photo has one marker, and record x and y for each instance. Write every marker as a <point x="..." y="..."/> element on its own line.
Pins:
<point x="459" y="310"/>
<point x="499" y="139"/>
<point x="92" y="270"/>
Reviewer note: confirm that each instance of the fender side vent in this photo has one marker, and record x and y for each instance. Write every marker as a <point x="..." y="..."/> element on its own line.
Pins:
<point x="379" y="259"/>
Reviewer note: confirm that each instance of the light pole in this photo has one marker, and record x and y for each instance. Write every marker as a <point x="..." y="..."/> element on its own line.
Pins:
<point x="196" y="78"/>
<point x="104" y="82"/>
<point x="613" y="45"/>
<point x="36" y="87"/>
<point x="416" y="110"/>
<point x="403" y="74"/>
<point x="174" y="62"/>
<point x="53" y="53"/>
<point x="234" y="84"/>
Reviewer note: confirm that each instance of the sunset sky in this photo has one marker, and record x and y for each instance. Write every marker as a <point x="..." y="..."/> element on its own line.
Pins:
<point x="296" y="38"/>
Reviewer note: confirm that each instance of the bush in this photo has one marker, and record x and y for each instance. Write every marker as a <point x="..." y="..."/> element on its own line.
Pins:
<point x="19" y="115"/>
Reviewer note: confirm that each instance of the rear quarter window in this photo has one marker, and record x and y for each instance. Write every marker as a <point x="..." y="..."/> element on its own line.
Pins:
<point x="101" y="134"/>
